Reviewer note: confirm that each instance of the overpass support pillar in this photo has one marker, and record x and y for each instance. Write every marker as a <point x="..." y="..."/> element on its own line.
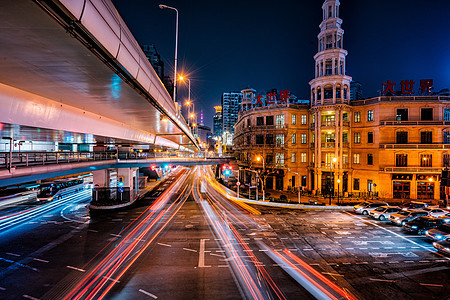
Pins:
<point x="130" y="178"/>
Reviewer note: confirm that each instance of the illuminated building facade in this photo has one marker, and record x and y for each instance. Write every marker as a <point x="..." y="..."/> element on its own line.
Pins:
<point x="393" y="146"/>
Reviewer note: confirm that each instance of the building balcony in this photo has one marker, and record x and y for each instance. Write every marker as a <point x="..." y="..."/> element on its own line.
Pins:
<point x="328" y="124"/>
<point x="415" y="123"/>
<point x="327" y="145"/>
<point x="265" y="128"/>
<point x="415" y="146"/>
<point x="413" y="170"/>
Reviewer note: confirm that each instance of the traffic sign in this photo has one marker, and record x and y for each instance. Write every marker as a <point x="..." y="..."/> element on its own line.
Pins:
<point x="121" y="190"/>
<point x="238" y="183"/>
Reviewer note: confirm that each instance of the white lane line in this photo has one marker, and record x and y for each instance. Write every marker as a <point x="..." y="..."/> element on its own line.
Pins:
<point x="187" y="249"/>
<point x="382" y="280"/>
<point x="92" y="230"/>
<point x="112" y="279"/>
<point x="148" y="294"/>
<point x="424" y="261"/>
<point x="2" y="289"/>
<point x="161" y="244"/>
<point x="116" y="235"/>
<point x="201" y="254"/>
<point x="12" y="254"/>
<point x="218" y="255"/>
<point x="41" y="260"/>
<point x="400" y="236"/>
<point x="29" y="297"/>
<point x="431" y="284"/>
<point x="332" y="274"/>
<point x="263" y="250"/>
<point x="74" y="268"/>
<point x="223" y="266"/>
<point x="377" y="262"/>
<point x="346" y="263"/>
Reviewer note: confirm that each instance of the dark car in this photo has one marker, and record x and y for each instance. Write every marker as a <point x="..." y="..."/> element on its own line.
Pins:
<point x="443" y="246"/>
<point x="422" y="224"/>
<point x="414" y="205"/>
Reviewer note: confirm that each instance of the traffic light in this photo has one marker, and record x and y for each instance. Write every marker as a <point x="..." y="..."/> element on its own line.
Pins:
<point x="227" y="170"/>
<point x="120" y="183"/>
<point x="153" y="167"/>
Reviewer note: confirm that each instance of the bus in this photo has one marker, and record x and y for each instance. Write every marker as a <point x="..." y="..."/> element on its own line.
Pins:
<point x="59" y="188"/>
<point x="17" y="195"/>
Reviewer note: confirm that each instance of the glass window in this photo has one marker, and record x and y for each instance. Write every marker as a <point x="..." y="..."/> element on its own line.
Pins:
<point x="345" y="137"/>
<point x="370" y="115"/>
<point x="303" y="180"/>
<point x="426" y="160"/>
<point x="369" y="185"/>
<point x="304" y="119"/>
<point x="357" y="137"/>
<point x="249" y="139"/>
<point x="370" y="137"/>
<point x="294" y="138"/>
<point x="345" y="117"/>
<point x="303" y="157"/>
<point x="293" y="158"/>
<point x="345" y="159"/>
<point x="402" y="137"/>
<point x="259" y="139"/>
<point x="426" y="137"/>
<point x="447" y="114"/>
<point x="294" y="119"/>
<point x="357" y="116"/>
<point x="259" y="121"/>
<point x="402" y="114"/>
<point x="279" y="138"/>
<point x="304" y="138"/>
<point x="370" y="159"/>
<point x="356" y="158"/>
<point x="446" y="137"/>
<point x="446" y="160"/>
<point x="269" y="139"/>
<point x="269" y="120"/>
<point x="313" y="137"/>
<point x="426" y="114"/>
<point x="279" y="120"/>
<point x="279" y="158"/>
<point x="356" y="184"/>
<point x="401" y="160"/>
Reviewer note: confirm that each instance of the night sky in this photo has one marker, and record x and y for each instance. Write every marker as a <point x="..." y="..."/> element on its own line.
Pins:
<point x="230" y="45"/>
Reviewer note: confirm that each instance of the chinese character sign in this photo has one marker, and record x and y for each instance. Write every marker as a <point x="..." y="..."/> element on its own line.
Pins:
<point x="407" y="87"/>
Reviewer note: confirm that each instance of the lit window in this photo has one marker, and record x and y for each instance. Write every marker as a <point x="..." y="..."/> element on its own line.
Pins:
<point x="356" y="158"/>
<point x="294" y="138"/>
<point x="293" y="158"/>
<point x="357" y="116"/>
<point x="304" y="138"/>
<point x="279" y="139"/>
<point x="304" y="119"/>
<point x="279" y="158"/>
<point x="294" y="119"/>
<point x="370" y="115"/>
<point x="357" y="137"/>
<point x="279" y="120"/>
<point x="303" y="157"/>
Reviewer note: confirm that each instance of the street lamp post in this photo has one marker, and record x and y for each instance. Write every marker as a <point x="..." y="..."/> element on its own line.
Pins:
<point x="162" y="6"/>
<point x="338" y="181"/>
<point x="258" y="158"/>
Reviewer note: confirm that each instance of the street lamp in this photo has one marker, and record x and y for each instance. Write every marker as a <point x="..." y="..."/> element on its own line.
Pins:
<point x="332" y="178"/>
<point x="259" y="158"/>
<point x="188" y="102"/>
<point x="162" y="6"/>
<point x="338" y="181"/>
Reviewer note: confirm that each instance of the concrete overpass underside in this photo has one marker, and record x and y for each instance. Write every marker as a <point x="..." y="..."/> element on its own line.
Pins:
<point x="71" y="71"/>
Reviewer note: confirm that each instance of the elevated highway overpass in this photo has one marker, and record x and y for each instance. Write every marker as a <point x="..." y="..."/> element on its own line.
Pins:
<point x="72" y="72"/>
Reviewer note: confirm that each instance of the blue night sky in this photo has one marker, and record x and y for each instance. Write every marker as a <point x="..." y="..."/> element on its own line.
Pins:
<point x="231" y="45"/>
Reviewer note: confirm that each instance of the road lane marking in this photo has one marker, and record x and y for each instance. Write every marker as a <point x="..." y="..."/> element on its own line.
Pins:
<point x="116" y="235"/>
<point x="431" y="284"/>
<point x="332" y="274"/>
<point x="74" y="268"/>
<point x="41" y="260"/>
<point x="148" y="294"/>
<point x="201" y="254"/>
<point x="161" y="244"/>
<point x="187" y="249"/>
<point x="382" y="280"/>
<point x="400" y="236"/>
<point x="2" y="289"/>
<point x="12" y="254"/>
<point x="92" y="230"/>
<point x="29" y="297"/>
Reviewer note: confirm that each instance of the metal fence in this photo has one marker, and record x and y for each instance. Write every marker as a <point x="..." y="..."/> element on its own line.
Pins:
<point x="109" y="196"/>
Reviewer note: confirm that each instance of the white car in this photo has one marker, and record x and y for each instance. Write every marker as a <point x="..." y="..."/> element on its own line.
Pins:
<point x="438" y="234"/>
<point x="383" y="212"/>
<point x="365" y="207"/>
<point x="435" y="212"/>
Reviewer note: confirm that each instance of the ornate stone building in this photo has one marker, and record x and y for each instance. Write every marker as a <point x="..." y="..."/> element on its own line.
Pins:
<point x="395" y="146"/>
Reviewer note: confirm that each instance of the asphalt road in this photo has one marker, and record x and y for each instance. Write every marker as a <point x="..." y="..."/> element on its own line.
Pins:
<point x="195" y="244"/>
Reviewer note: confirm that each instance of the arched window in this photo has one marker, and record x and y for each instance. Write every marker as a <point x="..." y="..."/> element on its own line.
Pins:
<point x="338" y="91"/>
<point x="446" y="137"/>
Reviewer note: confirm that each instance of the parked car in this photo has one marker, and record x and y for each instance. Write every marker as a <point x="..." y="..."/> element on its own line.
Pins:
<point x="421" y="224"/>
<point x="445" y="217"/>
<point x="438" y="234"/>
<point x="414" y="205"/>
<point x="383" y="212"/>
<point x="404" y="216"/>
<point x="365" y="207"/>
<point x="435" y="212"/>
<point x="443" y="246"/>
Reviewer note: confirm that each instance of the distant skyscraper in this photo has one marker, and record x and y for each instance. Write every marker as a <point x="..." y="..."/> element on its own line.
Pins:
<point x="355" y="90"/>
<point x="217" y="120"/>
<point x="231" y="103"/>
<point x="158" y="65"/>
